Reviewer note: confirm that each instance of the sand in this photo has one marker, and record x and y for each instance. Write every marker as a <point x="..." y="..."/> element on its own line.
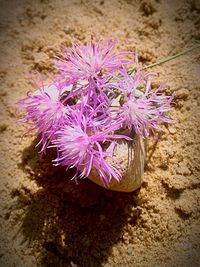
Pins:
<point x="45" y="219"/>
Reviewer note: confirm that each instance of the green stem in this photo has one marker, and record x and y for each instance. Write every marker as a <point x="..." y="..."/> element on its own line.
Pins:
<point x="171" y="57"/>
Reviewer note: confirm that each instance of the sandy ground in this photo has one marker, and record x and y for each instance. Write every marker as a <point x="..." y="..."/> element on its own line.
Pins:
<point x="46" y="220"/>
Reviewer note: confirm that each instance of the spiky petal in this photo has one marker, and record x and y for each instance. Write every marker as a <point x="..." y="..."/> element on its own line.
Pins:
<point x="92" y="63"/>
<point x="81" y="144"/>
<point x="45" y="112"/>
<point x="142" y="111"/>
<point x="83" y="62"/>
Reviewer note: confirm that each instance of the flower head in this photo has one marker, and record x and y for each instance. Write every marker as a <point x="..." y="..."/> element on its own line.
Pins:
<point x="142" y="111"/>
<point x="90" y="61"/>
<point x="45" y="112"/>
<point x="88" y="67"/>
<point x="84" y="144"/>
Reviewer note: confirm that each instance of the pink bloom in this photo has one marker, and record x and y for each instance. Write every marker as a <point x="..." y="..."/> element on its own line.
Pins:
<point x="45" y="112"/>
<point x="90" y="61"/>
<point x="88" y="66"/>
<point x="92" y="98"/>
<point x="142" y="111"/>
<point x="83" y="145"/>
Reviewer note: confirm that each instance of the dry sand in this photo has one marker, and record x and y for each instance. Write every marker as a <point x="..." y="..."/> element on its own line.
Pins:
<point x="47" y="221"/>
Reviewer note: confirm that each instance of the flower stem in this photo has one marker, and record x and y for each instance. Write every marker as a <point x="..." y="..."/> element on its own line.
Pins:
<point x="171" y="57"/>
<point x="164" y="59"/>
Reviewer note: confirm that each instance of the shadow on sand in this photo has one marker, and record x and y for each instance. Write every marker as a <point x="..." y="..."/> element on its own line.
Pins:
<point x="72" y="224"/>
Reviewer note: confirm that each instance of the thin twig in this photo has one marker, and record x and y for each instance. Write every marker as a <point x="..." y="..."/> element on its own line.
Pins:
<point x="165" y="59"/>
<point x="170" y="57"/>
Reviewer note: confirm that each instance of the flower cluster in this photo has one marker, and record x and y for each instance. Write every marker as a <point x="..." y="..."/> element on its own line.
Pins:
<point x="91" y="100"/>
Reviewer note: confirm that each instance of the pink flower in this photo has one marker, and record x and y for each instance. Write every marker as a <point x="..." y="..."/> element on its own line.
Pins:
<point x="45" y="112"/>
<point x="93" y="98"/>
<point x="83" y="144"/>
<point x="88" y="66"/>
<point x="142" y="111"/>
<point x="90" y="61"/>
